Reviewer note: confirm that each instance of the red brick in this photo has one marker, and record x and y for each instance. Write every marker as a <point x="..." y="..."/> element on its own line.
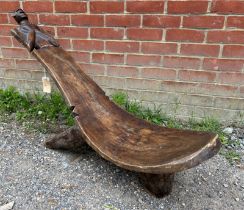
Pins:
<point x="143" y="60"/>
<point x="123" y="20"/>
<point x="5" y="30"/>
<point x="242" y="90"/>
<point x="197" y="76"/>
<point x="93" y="69"/>
<point x="65" y="43"/>
<point x="144" y="34"/>
<point x="184" y="35"/>
<point x="161" y="21"/>
<point x="159" y="48"/>
<point x="38" y="6"/>
<point x="158" y="73"/>
<point x="80" y="56"/>
<point x="203" y="22"/>
<point x="5" y="41"/>
<point x="225" y="36"/>
<point x="72" y="32"/>
<point x="88" y="45"/>
<point x="118" y="46"/>
<point x="233" y="51"/>
<point x="232" y="78"/>
<point x="70" y="6"/>
<point x="235" y="22"/>
<point x="32" y="18"/>
<point x="15" y="75"/>
<point x="223" y="64"/>
<point x="28" y="64"/>
<point x="228" y="7"/>
<point x="199" y="88"/>
<point x="9" y="6"/>
<point x="107" y="33"/>
<point x="143" y="84"/>
<point x="3" y="18"/>
<point x="106" y="7"/>
<point x="16" y="43"/>
<point x="217" y="89"/>
<point x="54" y="19"/>
<point x="87" y="20"/>
<point x="49" y="29"/>
<point x="108" y="58"/>
<point x="122" y="71"/>
<point x="176" y="86"/>
<point x="110" y="82"/>
<point x="200" y="50"/>
<point x="145" y="6"/>
<point x="229" y="102"/>
<point x="7" y="63"/>
<point x="185" y="7"/>
<point x="181" y="62"/>
<point x="14" y="53"/>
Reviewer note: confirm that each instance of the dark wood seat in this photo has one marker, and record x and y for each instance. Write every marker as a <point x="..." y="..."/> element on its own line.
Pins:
<point x="116" y="135"/>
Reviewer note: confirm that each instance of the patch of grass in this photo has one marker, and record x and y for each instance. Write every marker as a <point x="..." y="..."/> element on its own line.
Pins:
<point x="36" y="111"/>
<point x="134" y="107"/>
<point x="208" y="124"/>
<point x="232" y="156"/>
<point x="110" y="206"/>
<point x="11" y="100"/>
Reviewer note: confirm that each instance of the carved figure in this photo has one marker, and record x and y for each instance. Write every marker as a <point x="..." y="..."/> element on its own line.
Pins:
<point x="31" y="35"/>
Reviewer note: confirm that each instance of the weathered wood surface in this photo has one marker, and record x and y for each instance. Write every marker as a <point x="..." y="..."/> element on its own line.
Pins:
<point x="116" y="135"/>
<point x="70" y="139"/>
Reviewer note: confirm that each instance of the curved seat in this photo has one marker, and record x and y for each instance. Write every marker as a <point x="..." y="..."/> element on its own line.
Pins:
<point x="118" y="136"/>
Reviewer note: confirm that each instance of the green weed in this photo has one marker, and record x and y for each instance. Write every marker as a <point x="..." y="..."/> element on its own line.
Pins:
<point x="232" y="156"/>
<point x="40" y="111"/>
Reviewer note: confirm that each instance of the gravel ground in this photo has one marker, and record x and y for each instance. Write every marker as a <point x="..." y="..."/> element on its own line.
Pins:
<point x="38" y="178"/>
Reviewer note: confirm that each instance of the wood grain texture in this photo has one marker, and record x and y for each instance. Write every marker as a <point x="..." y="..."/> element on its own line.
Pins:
<point x="116" y="135"/>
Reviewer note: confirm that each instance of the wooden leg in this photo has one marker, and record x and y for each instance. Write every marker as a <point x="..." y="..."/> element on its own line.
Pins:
<point x="159" y="185"/>
<point x="70" y="139"/>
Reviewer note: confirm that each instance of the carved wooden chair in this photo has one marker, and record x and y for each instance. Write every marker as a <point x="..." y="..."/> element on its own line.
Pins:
<point x="155" y="152"/>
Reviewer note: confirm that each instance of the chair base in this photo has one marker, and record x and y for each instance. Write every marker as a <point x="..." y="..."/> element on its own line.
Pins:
<point x="159" y="185"/>
<point x="70" y="139"/>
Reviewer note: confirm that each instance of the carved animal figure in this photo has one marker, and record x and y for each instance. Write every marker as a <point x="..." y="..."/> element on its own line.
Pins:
<point x="33" y="36"/>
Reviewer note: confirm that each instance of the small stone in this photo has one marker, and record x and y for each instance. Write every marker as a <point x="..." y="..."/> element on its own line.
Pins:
<point x="7" y="206"/>
<point x="39" y="112"/>
<point x="226" y="185"/>
<point x="228" y="130"/>
<point x="183" y="204"/>
<point x="237" y="199"/>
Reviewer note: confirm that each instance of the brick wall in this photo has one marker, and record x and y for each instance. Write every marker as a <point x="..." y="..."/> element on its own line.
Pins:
<point x="185" y="55"/>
